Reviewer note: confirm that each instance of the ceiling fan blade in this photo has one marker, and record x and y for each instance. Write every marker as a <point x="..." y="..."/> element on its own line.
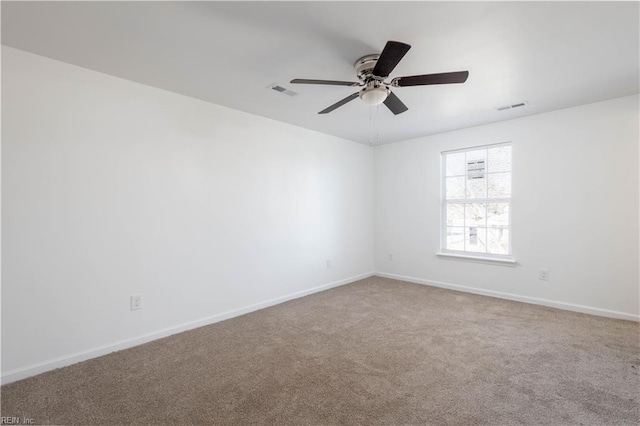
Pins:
<point x="327" y="82"/>
<point x="392" y="53"/>
<point x="394" y="104"/>
<point x="339" y="103"/>
<point x="428" y="79"/>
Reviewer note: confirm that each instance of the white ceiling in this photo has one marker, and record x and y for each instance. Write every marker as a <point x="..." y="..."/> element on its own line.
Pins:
<point x="551" y="54"/>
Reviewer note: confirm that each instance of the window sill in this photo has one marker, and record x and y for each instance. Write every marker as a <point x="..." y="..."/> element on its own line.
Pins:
<point x="481" y="259"/>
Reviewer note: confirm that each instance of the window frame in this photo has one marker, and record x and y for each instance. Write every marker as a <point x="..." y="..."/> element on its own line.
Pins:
<point x="444" y="202"/>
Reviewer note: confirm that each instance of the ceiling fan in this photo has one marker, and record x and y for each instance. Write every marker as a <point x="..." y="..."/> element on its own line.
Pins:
<point x="372" y="70"/>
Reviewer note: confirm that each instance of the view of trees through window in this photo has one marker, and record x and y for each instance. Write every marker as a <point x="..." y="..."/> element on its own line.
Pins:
<point x="477" y="200"/>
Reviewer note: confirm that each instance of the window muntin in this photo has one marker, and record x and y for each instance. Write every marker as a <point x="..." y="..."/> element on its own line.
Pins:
<point x="476" y="201"/>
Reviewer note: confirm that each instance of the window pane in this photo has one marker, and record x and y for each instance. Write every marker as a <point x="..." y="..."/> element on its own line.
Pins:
<point x="455" y="164"/>
<point x="455" y="188"/>
<point x="475" y="214"/>
<point x="499" y="159"/>
<point x="477" y="154"/>
<point x="476" y="163"/>
<point x="477" y="188"/>
<point x="498" y="215"/>
<point x="476" y="169"/>
<point x="500" y="185"/>
<point x="498" y="241"/>
<point x="455" y="238"/>
<point x="455" y="214"/>
<point x="475" y="239"/>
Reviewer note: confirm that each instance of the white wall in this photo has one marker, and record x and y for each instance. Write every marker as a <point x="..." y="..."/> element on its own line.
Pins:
<point x="574" y="207"/>
<point x="112" y="188"/>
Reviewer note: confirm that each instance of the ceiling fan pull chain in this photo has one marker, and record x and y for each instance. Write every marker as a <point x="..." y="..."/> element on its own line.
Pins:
<point x="370" y="126"/>
<point x="377" y="124"/>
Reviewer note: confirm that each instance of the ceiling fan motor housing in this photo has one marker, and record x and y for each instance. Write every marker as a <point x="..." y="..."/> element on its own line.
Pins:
<point x="364" y="67"/>
<point x="375" y="90"/>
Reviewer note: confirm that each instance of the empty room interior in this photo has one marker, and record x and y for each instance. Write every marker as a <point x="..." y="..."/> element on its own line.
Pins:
<point x="320" y="213"/>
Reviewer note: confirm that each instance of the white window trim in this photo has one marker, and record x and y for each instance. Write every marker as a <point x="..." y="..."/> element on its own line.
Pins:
<point x="468" y="255"/>
<point x="509" y="260"/>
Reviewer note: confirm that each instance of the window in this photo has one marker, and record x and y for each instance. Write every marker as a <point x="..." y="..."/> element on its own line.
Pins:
<point x="476" y="201"/>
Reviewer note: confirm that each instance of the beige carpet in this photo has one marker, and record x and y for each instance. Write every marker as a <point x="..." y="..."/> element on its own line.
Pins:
<point x="377" y="351"/>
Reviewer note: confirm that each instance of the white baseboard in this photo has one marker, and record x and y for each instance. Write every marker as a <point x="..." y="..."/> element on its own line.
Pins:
<point x="515" y="297"/>
<point x="32" y="370"/>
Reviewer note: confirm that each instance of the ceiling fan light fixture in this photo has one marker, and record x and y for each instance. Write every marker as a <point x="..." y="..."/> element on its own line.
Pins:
<point x="374" y="96"/>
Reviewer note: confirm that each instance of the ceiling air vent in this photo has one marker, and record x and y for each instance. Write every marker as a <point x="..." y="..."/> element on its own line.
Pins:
<point x="512" y="106"/>
<point x="278" y="88"/>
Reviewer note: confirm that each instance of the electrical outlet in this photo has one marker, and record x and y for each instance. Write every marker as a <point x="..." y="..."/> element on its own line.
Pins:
<point x="328" y="263"/>
<point x="136" y="302"/>
<point x="390" y="258"/>
<point x="543" y="274"/>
